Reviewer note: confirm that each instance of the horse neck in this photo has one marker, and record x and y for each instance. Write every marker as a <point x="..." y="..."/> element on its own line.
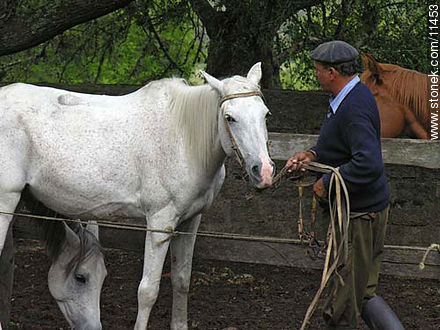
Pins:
<point x="195" y="112"/>
<point x="410" y="89"/>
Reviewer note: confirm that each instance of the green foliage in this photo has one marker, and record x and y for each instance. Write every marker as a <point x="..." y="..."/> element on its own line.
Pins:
<point x="132" y="46"/>
<point x="151" y="39"/>
<point x="297" y="73"/>
<point x="393" y="31"/>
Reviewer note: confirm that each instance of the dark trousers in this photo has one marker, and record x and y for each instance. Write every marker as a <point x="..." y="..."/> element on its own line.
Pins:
<point x="357" y="279"/>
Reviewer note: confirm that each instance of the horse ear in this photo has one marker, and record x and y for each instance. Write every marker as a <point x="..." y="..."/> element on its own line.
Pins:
<point x="213" y="82"/>
<point x="92" y="226"/>
<point x="254" y="73"/>
<point x="365" y="60"/>
<point x="373" y="66"/>
<point x="71" y="237"/>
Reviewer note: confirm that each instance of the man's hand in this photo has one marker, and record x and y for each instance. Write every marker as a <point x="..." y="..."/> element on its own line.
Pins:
<point x="319" y="189"/>
<point x="298" y="160"/>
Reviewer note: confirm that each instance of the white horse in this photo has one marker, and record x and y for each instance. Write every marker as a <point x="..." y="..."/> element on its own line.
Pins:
<point x="76" y="274"/>
<point x="77" y="269"/>
<point x="156" y="154"/>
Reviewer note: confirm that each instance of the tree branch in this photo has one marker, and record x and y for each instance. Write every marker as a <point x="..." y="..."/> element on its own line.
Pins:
<point x="161" y="45"/>
<point x="19" y="33"/>
<point x="207" y="14"/>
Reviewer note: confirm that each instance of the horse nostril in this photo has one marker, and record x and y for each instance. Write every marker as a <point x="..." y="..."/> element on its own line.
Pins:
<point x="256" y="170"/>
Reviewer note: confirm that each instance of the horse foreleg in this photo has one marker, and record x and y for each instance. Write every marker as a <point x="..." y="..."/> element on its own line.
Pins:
<point x="6" y="278"/>
<point x="156" y="247"/>
<point x="182" y="248"/>
<point x="414" y="125"/>
<point x="8" y="203"/>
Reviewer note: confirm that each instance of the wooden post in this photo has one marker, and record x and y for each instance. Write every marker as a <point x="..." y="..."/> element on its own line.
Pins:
<point x="6" y="279"/>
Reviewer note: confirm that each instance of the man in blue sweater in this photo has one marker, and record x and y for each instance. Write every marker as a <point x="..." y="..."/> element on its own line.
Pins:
<point x="350" y="140"/>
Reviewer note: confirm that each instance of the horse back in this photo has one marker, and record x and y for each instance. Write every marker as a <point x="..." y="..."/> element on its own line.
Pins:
<point x="91" y="154"/>
<point x="100" y="155"/>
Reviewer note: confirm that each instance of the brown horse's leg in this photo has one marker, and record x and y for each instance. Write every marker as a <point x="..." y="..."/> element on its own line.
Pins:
<point x="414" y="125"/>
<point x="392" y="121"/>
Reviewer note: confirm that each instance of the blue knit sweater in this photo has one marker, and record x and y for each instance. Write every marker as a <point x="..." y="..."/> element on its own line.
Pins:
<point x="350" y="140"/>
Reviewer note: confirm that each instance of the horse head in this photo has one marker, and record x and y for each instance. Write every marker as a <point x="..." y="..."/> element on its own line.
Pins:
<point x="242" y="124"/>
<point x="392" y="112"/>
<point x="76" y="276"/>
<point x="373" y="73"/>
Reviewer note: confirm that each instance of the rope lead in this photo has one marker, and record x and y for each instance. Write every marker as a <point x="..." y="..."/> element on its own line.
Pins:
<point x="342" y="211"/>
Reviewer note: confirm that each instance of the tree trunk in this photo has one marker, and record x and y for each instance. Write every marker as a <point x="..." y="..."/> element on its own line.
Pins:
<point x="20" y="30"/>
<point x="234" y="52"/>
<point x="243" y="33"/>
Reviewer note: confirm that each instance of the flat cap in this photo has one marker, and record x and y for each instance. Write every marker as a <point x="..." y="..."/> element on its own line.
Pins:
<point x="334" y="52"/>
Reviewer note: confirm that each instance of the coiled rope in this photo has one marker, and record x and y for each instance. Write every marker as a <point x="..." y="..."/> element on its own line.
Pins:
<point x="339" y="205"/>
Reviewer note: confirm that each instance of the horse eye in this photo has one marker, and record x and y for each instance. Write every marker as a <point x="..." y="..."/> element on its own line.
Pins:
<point x="230" y="119"/>
<point x="80" y="278"/>
<point x="268" y="114"/>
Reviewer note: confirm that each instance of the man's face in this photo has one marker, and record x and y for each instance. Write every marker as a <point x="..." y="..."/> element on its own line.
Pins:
<point x="324" y="75"/>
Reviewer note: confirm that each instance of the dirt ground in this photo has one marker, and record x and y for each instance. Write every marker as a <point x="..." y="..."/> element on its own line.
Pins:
<point x="238" y="296"/>
<point x="227" y="296"/>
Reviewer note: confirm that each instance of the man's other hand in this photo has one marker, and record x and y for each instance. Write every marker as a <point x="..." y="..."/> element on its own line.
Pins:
<point x="319" y="189"/>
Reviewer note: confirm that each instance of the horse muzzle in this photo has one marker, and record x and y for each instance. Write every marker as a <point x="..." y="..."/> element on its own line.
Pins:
<point x="261" y="174"/>
<point x="78" y="318"/>
<point x="88" y="326"/>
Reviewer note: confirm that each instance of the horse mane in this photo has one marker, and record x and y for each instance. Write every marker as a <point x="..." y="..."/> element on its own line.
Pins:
<point x="194" y="111"/>
<point x="409" y="88"/>
<point x="54" y="233"/>
<point x="88" y="247"/>
<point x="54" y="236"/>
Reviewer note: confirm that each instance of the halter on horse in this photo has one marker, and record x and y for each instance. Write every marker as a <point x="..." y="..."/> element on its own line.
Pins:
<point x="155" y="155"/>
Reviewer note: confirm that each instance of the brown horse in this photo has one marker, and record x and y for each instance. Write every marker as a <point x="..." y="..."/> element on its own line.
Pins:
<point x="401" y="96"/>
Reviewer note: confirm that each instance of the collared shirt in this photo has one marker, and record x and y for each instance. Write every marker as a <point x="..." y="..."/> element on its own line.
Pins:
<point x="336" y="101"/>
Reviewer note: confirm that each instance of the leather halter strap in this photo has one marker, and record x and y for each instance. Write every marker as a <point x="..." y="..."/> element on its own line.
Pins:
<point x="234" y="145"/>
<point x="237" y="95"/>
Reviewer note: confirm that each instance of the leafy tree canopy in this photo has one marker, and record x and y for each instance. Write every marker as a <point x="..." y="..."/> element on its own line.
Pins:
<point x="145" y="41"/>
<point x="151" y="39"/>
<point x="393" y="31"/>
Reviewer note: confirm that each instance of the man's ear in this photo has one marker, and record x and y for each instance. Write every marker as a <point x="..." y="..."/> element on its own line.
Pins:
<point x="334" y="73"/>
